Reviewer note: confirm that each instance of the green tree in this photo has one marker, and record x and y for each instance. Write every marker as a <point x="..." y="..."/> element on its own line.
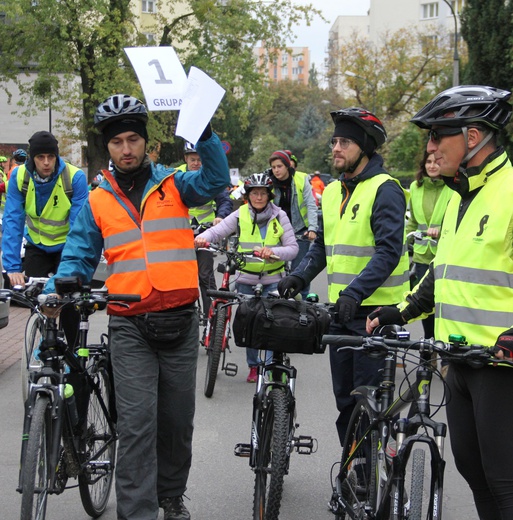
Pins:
<point x="487" y="28"/>
<point x="84" y="40"/>
<point x="406" y="151"/>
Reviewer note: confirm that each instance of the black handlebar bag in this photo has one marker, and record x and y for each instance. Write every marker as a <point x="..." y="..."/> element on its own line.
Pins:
<point x="288" y="326"/>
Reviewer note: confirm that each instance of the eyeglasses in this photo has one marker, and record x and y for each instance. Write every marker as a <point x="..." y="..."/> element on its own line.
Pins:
<point x="255" y="194"/>
<point x="340" y="141"/>
<point x="436" y="135"/>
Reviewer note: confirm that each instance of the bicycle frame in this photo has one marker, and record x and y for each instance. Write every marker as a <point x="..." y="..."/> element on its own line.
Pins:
<point x="54" y="375"/>
<point x="380" y="400"/>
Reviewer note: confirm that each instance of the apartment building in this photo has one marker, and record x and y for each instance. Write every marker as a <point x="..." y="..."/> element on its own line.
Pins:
<point x="291" y="64"/>
<point x="390" y="15"/>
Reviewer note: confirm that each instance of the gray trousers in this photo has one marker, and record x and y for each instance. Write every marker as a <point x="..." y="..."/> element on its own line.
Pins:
<point x="155" y="399"/>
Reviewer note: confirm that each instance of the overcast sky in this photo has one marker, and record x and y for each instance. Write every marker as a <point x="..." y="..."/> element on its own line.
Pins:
<point x="316" y="36"/>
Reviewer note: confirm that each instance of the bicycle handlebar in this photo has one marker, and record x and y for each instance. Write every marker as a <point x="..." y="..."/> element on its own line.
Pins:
<point x="224" y="295"/>
<point x="236" y="254"/>
<point x="474" y="355"/>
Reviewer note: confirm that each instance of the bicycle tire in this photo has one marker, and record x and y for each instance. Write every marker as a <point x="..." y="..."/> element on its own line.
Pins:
<point x="29" y="354"/>
<point x="95" y="480"/>
<point x="417" y="485"/>
<point x="357" y="482"/>
<point x="35" y="471"/>
<point x="272" y="458"/>
<point x="215" y="350"/>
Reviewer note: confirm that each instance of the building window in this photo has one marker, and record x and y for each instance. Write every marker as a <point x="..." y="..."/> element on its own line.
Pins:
<point x="150" y="37"/>
<point x="457" y="5"/>
<point x="284" y="70"/>
<point x="430" y="10"/>
<point x="148" y="6"/>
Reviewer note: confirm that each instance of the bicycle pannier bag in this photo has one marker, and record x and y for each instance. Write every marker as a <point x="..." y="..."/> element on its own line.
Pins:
<point x="287" y="326"/>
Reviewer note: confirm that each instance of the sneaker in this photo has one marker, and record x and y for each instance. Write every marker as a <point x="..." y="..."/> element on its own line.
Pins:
<point x="174" y="509"/>
<point x="253" y="375"/>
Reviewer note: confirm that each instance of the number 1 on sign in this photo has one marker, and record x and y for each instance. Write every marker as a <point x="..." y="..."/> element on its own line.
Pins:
<point x="162" y="78"/>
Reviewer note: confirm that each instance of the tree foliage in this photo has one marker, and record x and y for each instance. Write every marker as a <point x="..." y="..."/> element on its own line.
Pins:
<point x="85" y="39"/>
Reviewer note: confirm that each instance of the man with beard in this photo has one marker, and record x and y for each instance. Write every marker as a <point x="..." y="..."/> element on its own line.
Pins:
<point x="362" y="244"/>
<point x="139" y="214"/>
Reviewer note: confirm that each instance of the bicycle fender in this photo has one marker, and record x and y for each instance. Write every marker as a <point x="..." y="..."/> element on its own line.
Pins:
<point x="367" y="393"/>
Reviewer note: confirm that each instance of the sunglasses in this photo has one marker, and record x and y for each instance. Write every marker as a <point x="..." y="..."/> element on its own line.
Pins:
<point x="436" y="135"/>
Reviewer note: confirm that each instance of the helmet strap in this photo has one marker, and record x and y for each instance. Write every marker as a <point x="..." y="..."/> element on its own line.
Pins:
<point x="357" y="162"/>
<point x="468" y="155"/>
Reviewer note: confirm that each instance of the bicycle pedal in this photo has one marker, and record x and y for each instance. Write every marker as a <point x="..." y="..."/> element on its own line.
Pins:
<point x="230" y="369"/>
<point x="305" y="445"/>
<point x="242" y="450"/>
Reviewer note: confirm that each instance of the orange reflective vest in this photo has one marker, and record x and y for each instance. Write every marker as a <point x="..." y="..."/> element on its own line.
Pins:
<point x="155" y="252"/>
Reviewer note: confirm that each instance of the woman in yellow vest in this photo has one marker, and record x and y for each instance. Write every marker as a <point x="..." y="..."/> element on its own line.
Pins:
<point x="263" y="225"/>
<point x="429" y="196"/>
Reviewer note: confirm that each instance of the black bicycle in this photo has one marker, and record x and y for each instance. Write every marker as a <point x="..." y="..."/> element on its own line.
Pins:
<point x="381" y="448"/>
<point x="69" y="425"/>
<point x="273" y="430"/>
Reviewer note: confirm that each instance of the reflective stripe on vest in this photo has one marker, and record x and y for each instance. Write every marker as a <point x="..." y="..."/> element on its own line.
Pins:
<point x="349" y="242"/>
<point x="160" y="254"/>
<point x="51" y="227"/>
<point x="417" y="195"/>
<point x="250" y="238"/>
<point x="299" y="181"/>
<point x="203" y="214"/>
<point x="473" y="265"/>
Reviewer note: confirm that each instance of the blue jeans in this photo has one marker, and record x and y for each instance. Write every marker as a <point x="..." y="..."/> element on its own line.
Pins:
<point x="252" y="353"/>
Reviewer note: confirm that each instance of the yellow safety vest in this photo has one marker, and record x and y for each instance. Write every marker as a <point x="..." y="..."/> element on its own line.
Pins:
<point x="51" y="227"/>
<point x="250" y="237"/>
<point x="299" y="181"/>
<point x="349" y="242"/>
<point x="473" y="265"/>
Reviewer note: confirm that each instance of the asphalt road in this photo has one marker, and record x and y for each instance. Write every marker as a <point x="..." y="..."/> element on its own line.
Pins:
<point x="220" y="484"/>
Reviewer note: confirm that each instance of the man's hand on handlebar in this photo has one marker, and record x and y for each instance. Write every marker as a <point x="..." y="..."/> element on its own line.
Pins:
<point x="384" y="316"/>
<point x="17" y="279"/>
<point x="289" y="286"/>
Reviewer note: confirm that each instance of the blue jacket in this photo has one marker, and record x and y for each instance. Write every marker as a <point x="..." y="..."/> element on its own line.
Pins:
<point x="387" y="223"/>
<point x="13" y="225"/>
<point x="84" y="246"/>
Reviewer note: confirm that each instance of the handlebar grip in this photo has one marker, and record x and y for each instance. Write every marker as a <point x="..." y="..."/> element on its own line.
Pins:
<point x="124" y="297"/>
<point x="224" y="295"/>
<point x="342" y="341"/>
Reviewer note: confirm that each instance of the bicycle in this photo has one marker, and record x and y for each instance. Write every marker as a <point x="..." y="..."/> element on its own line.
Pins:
<point x="69" y="425"/>
<point x="217" y="333"/>
<point x="273" y="431"/>
<point x="371" y="484"/>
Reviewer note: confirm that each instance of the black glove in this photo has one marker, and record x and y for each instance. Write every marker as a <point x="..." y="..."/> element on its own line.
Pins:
<point x="345" y="308"/>
<point x="387" y="316"/>
<point x="505" y="343"/>
<point x="289" y="286"/>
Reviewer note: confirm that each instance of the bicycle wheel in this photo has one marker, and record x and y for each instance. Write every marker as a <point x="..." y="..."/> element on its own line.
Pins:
<point x="416" y="491"/>
<point x="35" y="470"/>
<point x="272" y="457"/>
<point x="215" y="349"/>
<point x="98" y="445"/>
<point x="356" y="482"/>
<point x="30" y="353"/>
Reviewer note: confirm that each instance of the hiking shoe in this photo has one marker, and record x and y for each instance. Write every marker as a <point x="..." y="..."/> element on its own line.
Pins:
<point x="253" y="375"/>
<point x="174" y="508"/>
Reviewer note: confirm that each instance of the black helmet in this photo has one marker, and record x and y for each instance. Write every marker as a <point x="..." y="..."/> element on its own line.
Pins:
<point x="188" y="148"/>
<point x="468" y="105"/>
<point x="20" y="155"/>
<point x="366" y="120"/>
<point x="118" y="107"/>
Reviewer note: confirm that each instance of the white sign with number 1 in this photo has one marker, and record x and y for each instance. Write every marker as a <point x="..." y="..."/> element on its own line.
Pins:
<point x="161" y="75"/>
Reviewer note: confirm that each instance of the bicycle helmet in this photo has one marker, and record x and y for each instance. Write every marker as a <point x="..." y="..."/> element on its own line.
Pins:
<point x="258" y="180"/>
<point x="20" y="155"/>
<point x="189" y="148"/>
<point x="119" y="107"/>
<point x="466" y="105"/>
<point x="366" y="120"/>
